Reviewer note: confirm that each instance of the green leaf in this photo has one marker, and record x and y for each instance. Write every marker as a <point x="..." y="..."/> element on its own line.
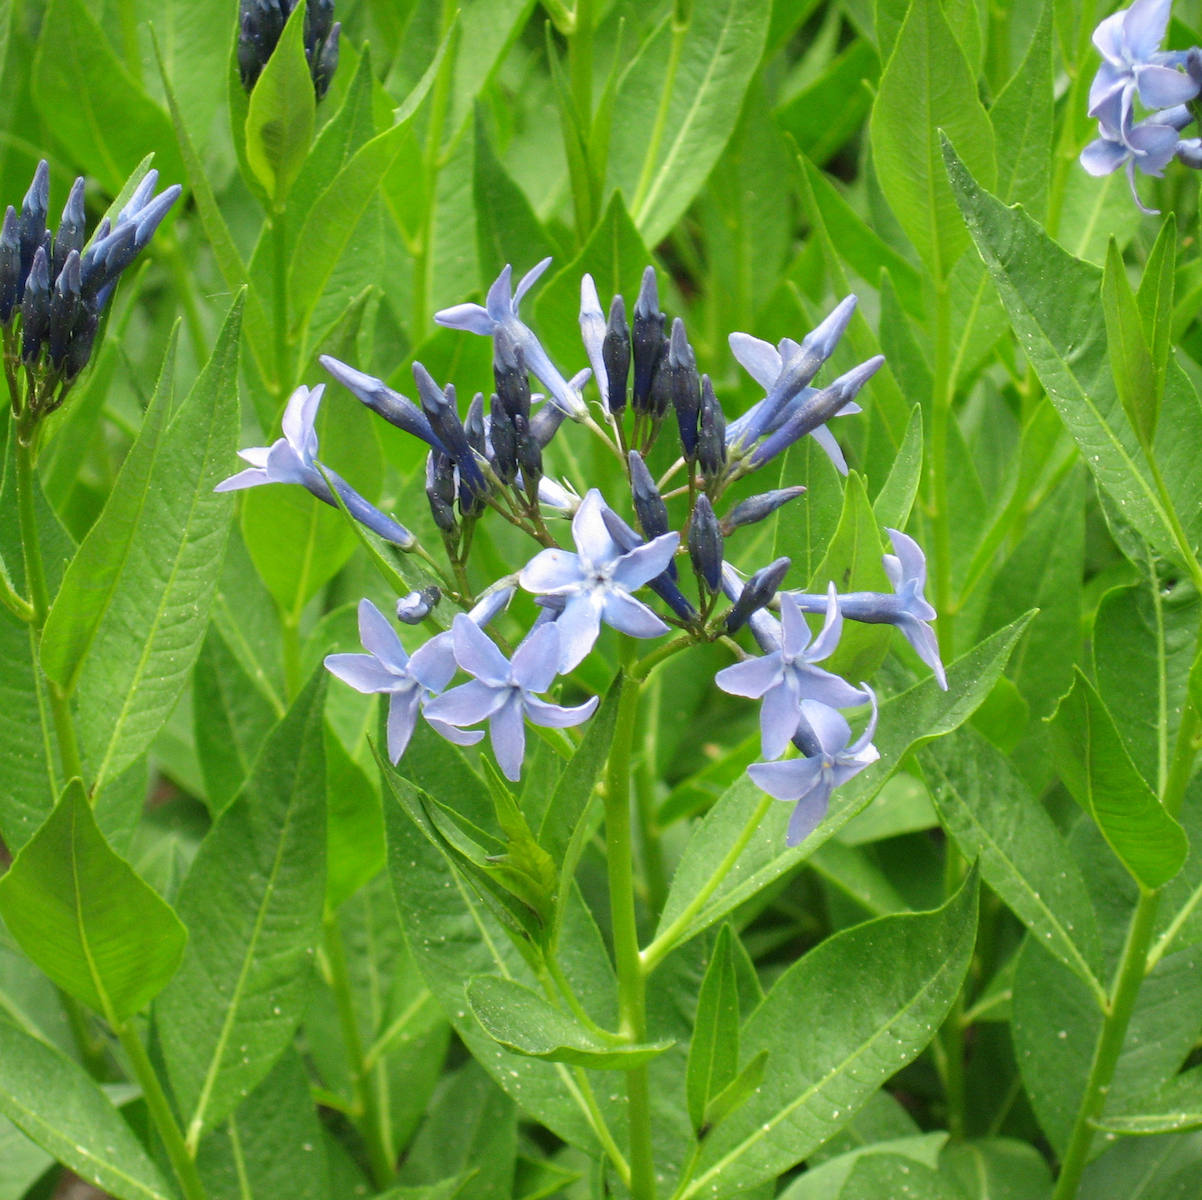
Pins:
<point x="863" y="249"/>
<point x="230" y="719"/>
<point x="824" y="1178"/>
<point x="22" y="1162"/>
<point x="336" y="213"/>
<point x="997" y="1167"/>
<point x="661" y="163"/>
<point x="1022" y="118"/>
<point x="857" y="877"/>
<point x="281" y="113"/>
<point x="1096" y="768"/>
<point x="826" y="113"/>
<point x="55" y="1104"/>
<point x="853" y="563"/>
<point x="614" y="256"/>
<point x="454" y="937"/>
<point x="996" y="820"/>
<point x="1155" y="299"/>
<point x="1052" y="302"/>
<point x="737" y="1092"/>
<point x="927" y="88"/>
<point x="1174" y="1109"/>
<point x="110" y="123"/>
<point x="522" y="1021"/>
<point x="714" y="1048"/>
<point x="84" y="916"/>
<point x="253" y="905"/>
<point x="878" y="1175"/>
<point x="916" y="716"/>
<point x="92" y="578"/>
<point x="135" y="602"/>
<point x="271" y="1145"/>
<point x="805" y="527"/>
<point x="1153" y="1168"/>
<point x="896" y="978"/>
<point x="1135" y="375"/>
<point x="356" y="850"/>
<point x="896" y="498"/>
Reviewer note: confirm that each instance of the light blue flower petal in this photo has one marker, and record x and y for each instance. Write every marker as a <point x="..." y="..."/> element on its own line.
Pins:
<point x="630" y="616"/>
<point x="552" y="571"/>
<point x="1144" y="27"/>
<point x="779" y="715"/>
<point x="364" y="673"/>
<point x="529" y="280"/>
<point x="536" y="660"/>
<point x="590" y="533"/>
<point x="813" y="683"/>
<point x="823" y="436"/>
<point x="1108" y="37"/>
<point x="644" y="563"/>
<point x="795" y="633"/>
<point x="752" y="677"/>
<point x="788" y="780"/>
<point x="379" y="638"/>
<point x="468" y="704"/>
<point x="578" y="625"/>
<point x="507" y="731"/>
<point x="284" y="465"/>
<point x="760" y="359"/>
<point x="829" y="726"/>
<point x="808" y="814"/>
<point x="459" y="737"/>
<point x="433" y="665"/>
<point x="1163" y="87"/>
<point x="471" y="318"/>
<point x="554" y="716"/>
<point x="402" y="716"/>
<point x="251" y="477"/>
<point x="477" y="654"/>
<point x="827" y="641"/>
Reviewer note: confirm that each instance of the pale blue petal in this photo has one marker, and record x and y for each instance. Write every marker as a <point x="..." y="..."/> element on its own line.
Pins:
<point x="578" y="625"/>
<point x="823" y="436"/>
<point x="477" y="654"/>
<point x="1103" y="157"/>
<point x="499" y="301"/>
<point x="529" y="280"/>
<point x="1144" y="27"/>
<point x="1163" y="87"/>
<point x="589" y="532"/>
<point x="827" y="641"/>
<point x="869" y="730"/>
<point x="795" y="633"/>
<point x="507" y="731"/>
<point x="460" y="737"/>
<point x="299" y="418"/>
<point x="402" y="716"/>
<point x="554" y="716"/>
<point x="830" y="727"/>
<point x="1108" y="37"/>
<point x="364" y="673"/>
<point x="808" y="814"/>
<point x="489" y="605"/>
<point x="779" y="715"/>
<point x="751" y="678"/>
<point x="536" y="660"/>
<point x="759" y="359"/>
<point x="467" y="704"/>
<point x="284" y="465"/>
<point x="433" y="665"/>
<point x="255" y="455"/>
<point x="788" y="780"/>
<point x="630" y="616"/>
<point x="644" y="563"/>
<point x="251" y="477"/>
<point x="926" y="645"/>
<point x="552" y="571"/>
<point x="909" y="554"/>
<point x="471" y="318"/>
<point x="379" y="638"/>
<point x="813" y="683"/>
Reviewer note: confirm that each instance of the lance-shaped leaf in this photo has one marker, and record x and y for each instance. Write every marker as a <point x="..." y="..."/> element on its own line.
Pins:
<point x="906" y="722"/>
<point x="1096" y="768"/>
<point x="54" y="1103"/>
<point x="84" y="916"/>
<point x="1135" y="375"/>
<point x="130" y="618"/>
<point x="714" y="1048"/>
<point x="895" y="979"/>
<point x="281" y="113"/>
<point x="928" y="87"/>
<point x="1174" y="1109"/>
<point x="522" y="1021"/>
<point x="991" y="813"/>
<point x="1156" y="299"/>
<point x="253" y="904"/>
<point x="1052" y="301"/>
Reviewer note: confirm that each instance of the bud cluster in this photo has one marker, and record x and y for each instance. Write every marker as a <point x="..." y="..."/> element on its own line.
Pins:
<point x="260" y="23"/>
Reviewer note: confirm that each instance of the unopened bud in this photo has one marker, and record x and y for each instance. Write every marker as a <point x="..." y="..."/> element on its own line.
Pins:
<point x="684" y="387"/>
<point x="711" y="441"/>
<point x="414" y="608"/>
<point x="757" y="592"/>
<point x="756" y="508"/>
<point x="705" y="544"/>
<point x="615" y="353"/>
<point x="504" y="442"/>
<point x="647" y="341"/>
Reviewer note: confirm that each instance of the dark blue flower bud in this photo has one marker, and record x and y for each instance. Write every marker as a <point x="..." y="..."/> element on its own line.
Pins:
<point x="757" y="592"/>
<point x="615" y="354"/>
<point x="509" y="371"/>
<point x="79" y="347"/>
<point x="649" y="505"/>
<point x="71" y="229"/>
<point x="325" y="61"/>
<point x="10" y="266"/>
<point x="65" y="303"/>
<point x="32" y="223"/>
<point x="817" y="410"/>
<point x="711" y="441"/>
<point x="545" y="423"/>
<point x="530" y="448"/>
<point x="474" y="425"/>
<point x="35" y="307"/>
<point x="440" y="490"/>
<point x="396" y="409"/>
<point x="705" y="543"/>
<point x="684" y="387"/>
<point x="756" y="508"/>
<point x="260" y="23"/>
<point x="319" y="19"/>
<point x="414" y="608"/>
<point x="647" y="341"/>
<point x="440" y="410"/>
<point x="504" y="441"/>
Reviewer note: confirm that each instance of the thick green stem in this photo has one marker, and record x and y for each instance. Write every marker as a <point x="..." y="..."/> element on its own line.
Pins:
<point x="1109" y="1045"/>
<point x="370" y="1124"/>
<point x="650" y="850"/>
<point x="39" y="596"/>
<point x="941" y="414"/>
<point x="631" y="982"/>
<point x="1179" y="535"/>
<point x="279" y="248"/>
<point x="161" y="1114"/>
<point x="91" y="1048"/>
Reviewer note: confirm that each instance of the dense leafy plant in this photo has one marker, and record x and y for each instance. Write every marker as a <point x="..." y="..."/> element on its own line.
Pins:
<point x="267" y="934"/>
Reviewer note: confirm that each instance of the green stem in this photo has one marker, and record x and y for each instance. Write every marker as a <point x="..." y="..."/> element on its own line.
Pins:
<point x="650" y="847"/>
<point x="646" y="665"/>
<point x="1170" y="511"/>
<point x="161" y="1114"/>
<point x="631" y="982"/>
<point x="290" y="638"/>
<point x="90" y="1047"/>
<point x="679" y="30"/>
<point x="370" y="1122"/>
<point x="279" y="257"/>
<point x="659" y="949"/>
<point x="580" y="62"/>
<point x="1109" y="1045"/>
<point x="39" y="595"/>
<point x="941" y="415"/>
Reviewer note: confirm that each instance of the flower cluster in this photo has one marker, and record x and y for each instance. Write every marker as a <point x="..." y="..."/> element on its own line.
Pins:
<point x="1133" y="65"/>
<point x="260" y="23"/>
<point x="54" y="286"/>
<point x="492" y="459"/>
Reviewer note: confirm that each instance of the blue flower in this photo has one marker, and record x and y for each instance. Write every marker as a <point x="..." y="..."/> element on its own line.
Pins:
<point x="409" y="681"/>
<point x="782" y="679"/>
<point x="501" y="311"/>
<point x="503" y="692"/>
<point x="829" y="762"/>
<point x="293" y="459"/>
<point x="907" y="608"/>
<point x="1129" y="42"/>
<point x="764" y="363"/>
<point x="596" y="582"/>
<point x="1150" y="145"/>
